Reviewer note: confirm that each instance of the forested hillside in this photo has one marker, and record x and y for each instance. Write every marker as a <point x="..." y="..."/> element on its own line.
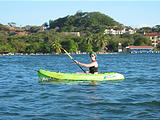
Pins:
<point x="49" y="38"/>
<point x="93" y="22"/>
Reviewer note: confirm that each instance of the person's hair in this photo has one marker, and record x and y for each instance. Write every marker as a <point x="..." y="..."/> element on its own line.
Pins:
<point x="93" y="54"/>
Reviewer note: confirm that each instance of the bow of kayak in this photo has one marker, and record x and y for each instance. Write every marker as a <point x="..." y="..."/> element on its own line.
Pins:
<point x="48" y="75"/>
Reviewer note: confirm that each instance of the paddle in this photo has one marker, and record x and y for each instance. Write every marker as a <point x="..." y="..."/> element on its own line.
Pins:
<point x="73" y="59"/>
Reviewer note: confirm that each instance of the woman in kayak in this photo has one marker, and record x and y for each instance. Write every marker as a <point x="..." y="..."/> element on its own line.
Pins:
<point x="93" y="66"/>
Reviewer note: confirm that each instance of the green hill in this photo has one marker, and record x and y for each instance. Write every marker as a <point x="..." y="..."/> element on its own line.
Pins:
<point x="93" y="22"/>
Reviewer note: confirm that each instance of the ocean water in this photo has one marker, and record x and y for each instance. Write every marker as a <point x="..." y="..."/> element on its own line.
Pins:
<point x="136" y="97"/>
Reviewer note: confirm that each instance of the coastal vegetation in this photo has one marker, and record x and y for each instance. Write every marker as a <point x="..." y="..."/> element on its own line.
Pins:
<point x="49" y="38"/>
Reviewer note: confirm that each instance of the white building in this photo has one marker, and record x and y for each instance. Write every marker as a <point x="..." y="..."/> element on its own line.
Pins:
<point x="154" y="37"/>
<point x="114" y="32"/>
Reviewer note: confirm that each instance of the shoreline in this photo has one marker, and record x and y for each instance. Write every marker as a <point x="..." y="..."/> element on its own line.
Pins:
<point x="10" y="54"/>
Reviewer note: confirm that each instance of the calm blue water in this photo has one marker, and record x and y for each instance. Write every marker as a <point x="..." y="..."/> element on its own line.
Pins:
<point x="136" y="97"/>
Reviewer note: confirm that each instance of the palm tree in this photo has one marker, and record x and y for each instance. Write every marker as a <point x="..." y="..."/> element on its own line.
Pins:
<point x="56" y="46"/>
<point x="105" y="41"/>
<point x="101" y="41"/>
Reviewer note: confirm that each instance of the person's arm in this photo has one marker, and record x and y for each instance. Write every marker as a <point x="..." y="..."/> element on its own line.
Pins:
<point x="85" y="65"/>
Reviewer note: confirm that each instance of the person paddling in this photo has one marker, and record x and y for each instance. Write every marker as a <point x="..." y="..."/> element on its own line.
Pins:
<point x="93" y="66"/>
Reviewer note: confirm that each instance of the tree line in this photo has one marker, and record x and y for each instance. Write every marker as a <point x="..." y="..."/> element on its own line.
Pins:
<point x="51" y="42"/>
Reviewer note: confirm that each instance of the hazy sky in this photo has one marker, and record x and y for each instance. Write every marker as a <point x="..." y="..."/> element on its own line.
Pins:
<point x="36" y="12"/>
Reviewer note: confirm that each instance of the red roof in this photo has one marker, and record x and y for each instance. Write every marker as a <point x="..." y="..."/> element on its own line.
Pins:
<point x="140" y="47"/>
<point x="152" y="34"/>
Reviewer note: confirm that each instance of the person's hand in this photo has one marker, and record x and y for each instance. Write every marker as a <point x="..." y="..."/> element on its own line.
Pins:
<point x="76" y="61"/>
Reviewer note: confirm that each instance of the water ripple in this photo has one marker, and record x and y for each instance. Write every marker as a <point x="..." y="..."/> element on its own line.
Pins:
<point x="136" y="97"/>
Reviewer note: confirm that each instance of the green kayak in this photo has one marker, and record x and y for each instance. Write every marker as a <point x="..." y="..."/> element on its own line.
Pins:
<point x="48" y="75"/>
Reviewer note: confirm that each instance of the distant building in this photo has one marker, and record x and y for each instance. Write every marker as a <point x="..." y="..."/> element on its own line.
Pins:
<point x="140" y="49"/>
<point x="42" y="28"/>
<point x="154" y="37"/>
<point x="76" y="33"/>
<point x="22" y="33"/>
<point x="114" y="32"/>
<point x="130" y="31"/>
<point x="73" y="33"/>
<point x="120" y="47"/>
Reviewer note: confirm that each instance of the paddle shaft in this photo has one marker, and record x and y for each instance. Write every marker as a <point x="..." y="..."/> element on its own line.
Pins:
<point x="73" y="60"/>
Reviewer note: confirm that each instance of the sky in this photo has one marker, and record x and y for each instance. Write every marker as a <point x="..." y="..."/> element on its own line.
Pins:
<point x="132" y="13"/>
